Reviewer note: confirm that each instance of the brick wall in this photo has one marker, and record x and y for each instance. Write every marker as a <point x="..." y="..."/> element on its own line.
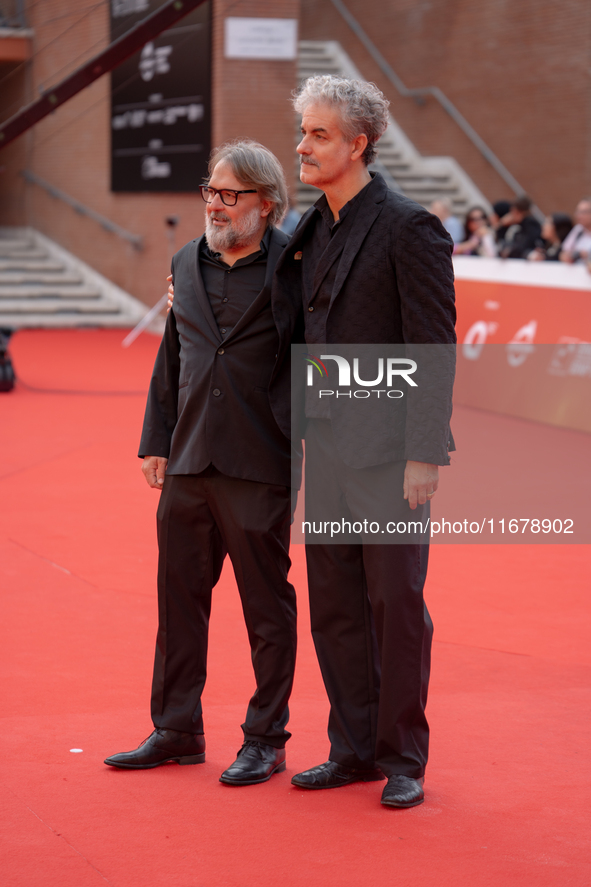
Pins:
<point x="71" y="148"/>
<point x="252" y="97"/>
<point x="520" y="72"/>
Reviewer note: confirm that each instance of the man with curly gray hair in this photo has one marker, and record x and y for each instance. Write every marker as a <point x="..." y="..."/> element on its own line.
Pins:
<point x="370" y="266"/>
<point x="362" y="108"/>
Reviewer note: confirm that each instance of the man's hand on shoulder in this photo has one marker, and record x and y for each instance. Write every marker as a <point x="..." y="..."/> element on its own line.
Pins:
<point x="154" y="469"/>
<point x="421" y="480"/>
<point x="170" y="293"/>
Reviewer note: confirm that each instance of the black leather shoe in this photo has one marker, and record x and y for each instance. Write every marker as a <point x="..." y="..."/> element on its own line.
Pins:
<point x="162" y="746"/>
<point x="403" y="791"/>
<point x="333" y="775"/>
<point x="256" y="762"/>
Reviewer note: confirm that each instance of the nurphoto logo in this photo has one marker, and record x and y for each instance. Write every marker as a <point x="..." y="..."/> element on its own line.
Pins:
<point x="388" y="369"/>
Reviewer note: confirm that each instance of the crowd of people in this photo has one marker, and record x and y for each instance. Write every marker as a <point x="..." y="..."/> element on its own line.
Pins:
<point x="510" y="231"/>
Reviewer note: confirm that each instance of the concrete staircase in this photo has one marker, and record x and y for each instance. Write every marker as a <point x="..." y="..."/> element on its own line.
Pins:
<point x="43" y="285"/>
<point x="420" y="178"/>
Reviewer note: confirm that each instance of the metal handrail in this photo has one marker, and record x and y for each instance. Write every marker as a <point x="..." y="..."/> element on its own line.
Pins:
<point x="112" y="227"/>
<point x="437" y="94"/>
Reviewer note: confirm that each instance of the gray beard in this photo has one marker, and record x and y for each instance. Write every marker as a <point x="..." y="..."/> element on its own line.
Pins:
<point x="236" y="235"/>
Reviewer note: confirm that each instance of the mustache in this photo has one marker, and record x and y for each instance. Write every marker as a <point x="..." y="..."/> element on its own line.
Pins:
<point x="309" y="162"/>
<point x="219" y="216"/>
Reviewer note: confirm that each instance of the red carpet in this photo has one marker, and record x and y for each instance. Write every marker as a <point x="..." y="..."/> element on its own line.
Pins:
<point x="508" y="782"/>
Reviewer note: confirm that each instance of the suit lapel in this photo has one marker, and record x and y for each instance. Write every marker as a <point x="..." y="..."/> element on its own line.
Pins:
<point x="287" y="296"/>
<point x="198" y="286"/>
<point x="365" y="218"/>
<point x="275" y="250"/>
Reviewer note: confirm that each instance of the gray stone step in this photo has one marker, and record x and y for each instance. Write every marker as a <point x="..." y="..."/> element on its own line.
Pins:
<point x="319" y="68"/>
<point x="53" y="278"/>
<point x="47" y="291"/>
<point x="16" y="242"/>
<point x="43" y="285"/>
<point x="427" y="188"/>
<point x="56" y="305"/>
<point x="64" y="320"/>
<point x="22" y="252"/>
<point x="28" y="264"/>
<point x="392" y="155"/>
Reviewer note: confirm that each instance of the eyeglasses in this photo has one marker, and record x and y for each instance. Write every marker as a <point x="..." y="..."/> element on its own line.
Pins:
<point x="228" y="196"/>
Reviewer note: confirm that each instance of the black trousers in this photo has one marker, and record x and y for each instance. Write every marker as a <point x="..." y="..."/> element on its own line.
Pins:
<point x="200" y="519"/>
<point x="371" y="628"/>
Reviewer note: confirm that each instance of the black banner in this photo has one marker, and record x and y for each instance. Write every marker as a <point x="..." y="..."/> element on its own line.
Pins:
<point x="161" y="103"/>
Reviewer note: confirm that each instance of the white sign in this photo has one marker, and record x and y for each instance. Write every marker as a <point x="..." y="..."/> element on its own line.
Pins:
<point x="129" y="7"/>
<point x="261" y="38"/>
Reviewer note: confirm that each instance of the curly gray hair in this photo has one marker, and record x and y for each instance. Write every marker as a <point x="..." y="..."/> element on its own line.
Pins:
<point x="363" y="107"/>
<point x="255" y="165"/>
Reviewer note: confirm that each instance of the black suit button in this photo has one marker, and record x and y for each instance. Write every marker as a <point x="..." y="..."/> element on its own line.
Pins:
<point x="311" y="308"/>
<point x="220" y="350"/>
<point x="223" y="330"/>
<point x="216" y="392"/>
<point x="224" y="300"/>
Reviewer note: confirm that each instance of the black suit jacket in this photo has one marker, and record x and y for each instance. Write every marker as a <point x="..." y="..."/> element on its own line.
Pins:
<point x="223" y="399"/>
<point x="394" y="285"/>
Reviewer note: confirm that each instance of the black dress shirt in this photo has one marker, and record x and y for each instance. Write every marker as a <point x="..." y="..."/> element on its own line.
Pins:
<point x="321" y="261"/>
<point x="233" y="288"/>
<point x="320" y="265"/>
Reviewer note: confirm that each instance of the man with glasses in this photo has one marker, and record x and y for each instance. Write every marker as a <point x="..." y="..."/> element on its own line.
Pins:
<point x="216" y="442"/>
